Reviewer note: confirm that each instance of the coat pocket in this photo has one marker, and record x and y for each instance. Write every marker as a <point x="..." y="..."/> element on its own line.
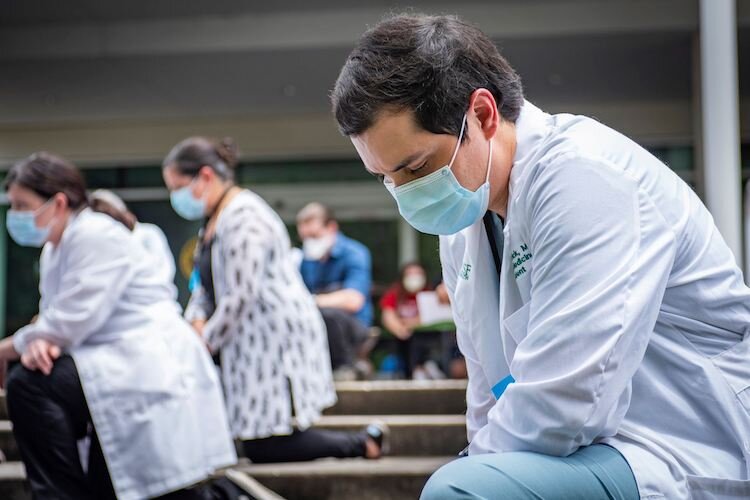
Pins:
<point x="712" y="488"/>
<point x="734" y="367"/>
<point x="517" y="324"/>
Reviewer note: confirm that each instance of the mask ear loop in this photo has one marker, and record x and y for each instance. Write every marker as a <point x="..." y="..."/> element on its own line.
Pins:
<point x="489" y="160"/>
<point x="489" y="164"/>
<point x="458" y="144"/>
<point x="44" y="206"/>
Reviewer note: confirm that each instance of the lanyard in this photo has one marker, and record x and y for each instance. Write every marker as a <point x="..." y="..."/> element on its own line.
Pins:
<point x="489" y="227"/>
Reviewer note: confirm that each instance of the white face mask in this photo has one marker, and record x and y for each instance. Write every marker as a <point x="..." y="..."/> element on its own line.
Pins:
<point x="414" y="283"/>
<point x="317" y="248"/>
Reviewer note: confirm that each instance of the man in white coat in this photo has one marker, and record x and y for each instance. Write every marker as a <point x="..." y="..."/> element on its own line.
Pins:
<point x="602" y="316"/>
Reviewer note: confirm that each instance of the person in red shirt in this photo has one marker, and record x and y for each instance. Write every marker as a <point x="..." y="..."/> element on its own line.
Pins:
<point x="399" y="303"/>
<point x="400" y="314"/>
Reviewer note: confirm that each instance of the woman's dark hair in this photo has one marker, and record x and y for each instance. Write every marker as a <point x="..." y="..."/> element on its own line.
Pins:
<point x="125" y="218"/>
<point x="195" y="152"/>
<point x="427" y="64"/>
<point x="46" y="175"/>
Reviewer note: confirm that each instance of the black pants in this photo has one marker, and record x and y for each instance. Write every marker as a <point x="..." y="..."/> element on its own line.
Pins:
<point x="306" y="445"/>
<point x="345" y="335"/>
<point x="49" y="415"/>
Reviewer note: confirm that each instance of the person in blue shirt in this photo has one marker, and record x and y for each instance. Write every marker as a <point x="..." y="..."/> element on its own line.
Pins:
<point x="337" y="270"/>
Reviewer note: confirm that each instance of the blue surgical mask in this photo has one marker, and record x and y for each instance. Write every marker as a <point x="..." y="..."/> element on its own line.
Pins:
<point x="438" y="203"/>
<point x="186" y="205"/>
<point x="23" y="229"/>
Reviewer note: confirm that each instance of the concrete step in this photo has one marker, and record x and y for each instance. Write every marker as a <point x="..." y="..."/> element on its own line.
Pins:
<point x="7" y="442"/>
<point x="331" y="479"/>
<point x="400" y="397"/>
<point x="411" y="435"/>
<point x="416" y="435"/>
<point x="13" y="485"/>
<point x="385" y="397"/>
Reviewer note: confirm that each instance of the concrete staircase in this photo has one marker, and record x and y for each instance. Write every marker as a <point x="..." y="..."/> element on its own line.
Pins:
<point x="427" y="430"/>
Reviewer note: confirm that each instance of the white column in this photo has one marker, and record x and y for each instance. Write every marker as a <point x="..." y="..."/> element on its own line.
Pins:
<point x="408" y="242"/>
<point x="720" y="129"/>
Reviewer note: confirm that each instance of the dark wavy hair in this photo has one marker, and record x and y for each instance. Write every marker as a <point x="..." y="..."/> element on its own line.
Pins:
<point x="46" y="175"/>
<point x="193" y="153"/>
<point x="427" y="64"/>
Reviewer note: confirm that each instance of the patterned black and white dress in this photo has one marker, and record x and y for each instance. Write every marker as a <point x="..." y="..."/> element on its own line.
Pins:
<point x="266" y="323"/>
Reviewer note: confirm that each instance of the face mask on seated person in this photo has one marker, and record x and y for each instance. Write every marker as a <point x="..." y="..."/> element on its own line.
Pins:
<point x="317" y="248"/>
<point x="22" y="227"/>
<point x="414" y="283"/>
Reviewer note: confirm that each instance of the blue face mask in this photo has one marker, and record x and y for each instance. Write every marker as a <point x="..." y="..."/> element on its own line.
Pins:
<point x="186" y="205"/>
<point x="438" y="203"/>
<point x="23" y="229"/>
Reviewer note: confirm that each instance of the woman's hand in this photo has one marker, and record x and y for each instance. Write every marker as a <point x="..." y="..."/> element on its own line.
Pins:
<point x="442" y="293"/>
<point x="394" y="324"/>
<point x="7" y="353"/>
<point x="198" y="325"/>
<point x="40" y="355"/>
<point x="403" y="332"/>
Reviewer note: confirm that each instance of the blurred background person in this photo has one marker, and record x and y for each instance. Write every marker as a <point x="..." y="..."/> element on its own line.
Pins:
<point x="108" y="360"/>
<point x="399" y="303"/>
<point x="338" y="271"/>
<point x="251" y="307"/>
<point x="150" y="236"/>
<point x="400" y="316"/>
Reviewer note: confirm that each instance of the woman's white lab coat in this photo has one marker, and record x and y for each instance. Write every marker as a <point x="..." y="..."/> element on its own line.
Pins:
<point x="620" y="311"/>
<point x="157" y="248"/>
<point x="151" y="388"/>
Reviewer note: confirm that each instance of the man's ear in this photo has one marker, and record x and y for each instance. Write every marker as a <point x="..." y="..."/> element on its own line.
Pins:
<point x="483" y="109"/>
<point x="60" y="200"/>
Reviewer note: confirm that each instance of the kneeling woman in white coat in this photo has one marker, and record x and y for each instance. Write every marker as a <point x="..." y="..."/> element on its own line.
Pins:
<point x="109" y="357"/>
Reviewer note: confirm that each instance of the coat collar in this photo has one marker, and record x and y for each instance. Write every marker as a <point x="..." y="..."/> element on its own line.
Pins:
<point x="532" y="127"/>
<point x="70" y="226"/>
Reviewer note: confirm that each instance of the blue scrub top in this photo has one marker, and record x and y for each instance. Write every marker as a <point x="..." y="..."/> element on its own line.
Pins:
<point x="348" y="266"/>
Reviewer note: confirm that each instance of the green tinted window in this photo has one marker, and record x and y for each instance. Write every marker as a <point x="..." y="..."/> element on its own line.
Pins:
<point x="678" y="158"/>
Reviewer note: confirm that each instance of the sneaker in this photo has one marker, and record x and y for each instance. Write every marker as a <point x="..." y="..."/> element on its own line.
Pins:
<point x="379" y="432"/>
<point x="363" y="369"/>
<point x="433" y="371"/>
<point x="344" y="374"/>
<point x="419" y="373"/>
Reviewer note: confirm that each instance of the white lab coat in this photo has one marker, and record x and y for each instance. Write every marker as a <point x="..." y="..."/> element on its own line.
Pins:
<point x="151" y="388"/>
<point x="157" y="247"/>
<point x="621" y="313"/>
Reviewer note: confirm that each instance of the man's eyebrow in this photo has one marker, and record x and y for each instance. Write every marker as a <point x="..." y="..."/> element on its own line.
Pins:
<point x="407" y="161"/>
